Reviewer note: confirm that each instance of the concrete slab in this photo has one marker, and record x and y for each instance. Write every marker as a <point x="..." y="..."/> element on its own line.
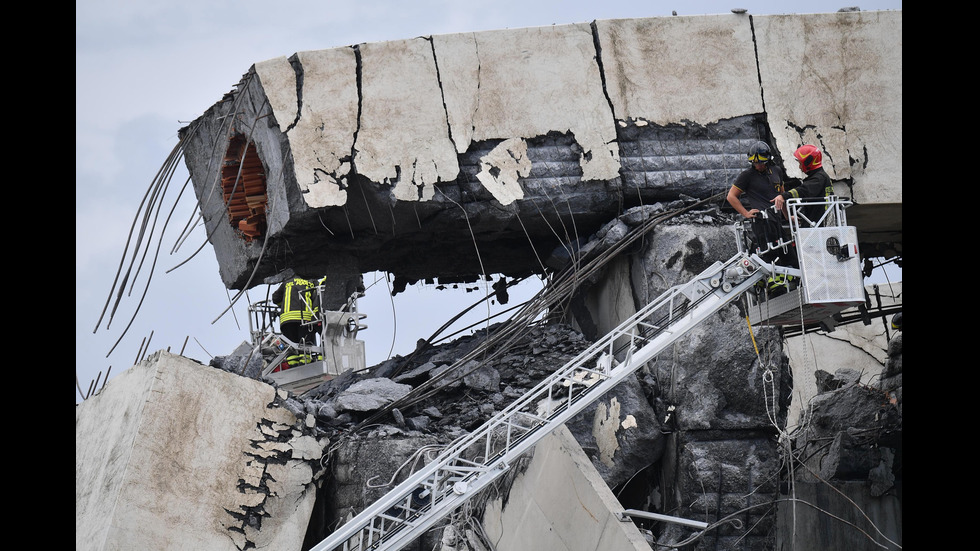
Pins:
<point x="403" y="136"/>
<point x="162" y="463"/>
<point x="527" y="83"/>
<point x="603" y="115"/>
<point x="321" y="133"/>
<point x="672" y="69"/>
<point x="560" y="503"/>
<point x="835" y="80"/>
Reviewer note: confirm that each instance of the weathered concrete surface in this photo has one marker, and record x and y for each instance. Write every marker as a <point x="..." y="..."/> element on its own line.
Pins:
<point x="836" y="82"/>
<point x="559" y="502"/>
<point x="674" y="70"/>
<point x="176" y="455"/>
<point x="408" y="155"/>
<point x="863" y="521"/>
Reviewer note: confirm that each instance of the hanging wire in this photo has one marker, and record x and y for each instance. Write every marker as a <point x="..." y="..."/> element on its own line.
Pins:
<point x="146" y="287"/>
<point x="476" y="247"/>
<point x="562" y="285"/>
<point x="394" y="318"/>
<point x="137" y="243"/>
<point x="143" y="207"/>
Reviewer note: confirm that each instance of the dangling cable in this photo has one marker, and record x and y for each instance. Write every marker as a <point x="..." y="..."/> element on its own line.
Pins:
<point x="476" y="246"/>
<point x="394" y="318"/>
<point x="136" y="246"/>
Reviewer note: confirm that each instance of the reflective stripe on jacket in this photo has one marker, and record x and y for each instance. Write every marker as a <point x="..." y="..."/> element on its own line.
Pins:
<point x="297" y="301"/>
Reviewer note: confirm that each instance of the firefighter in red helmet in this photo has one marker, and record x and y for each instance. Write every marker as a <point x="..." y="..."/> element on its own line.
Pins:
<point x="815" y="185"/>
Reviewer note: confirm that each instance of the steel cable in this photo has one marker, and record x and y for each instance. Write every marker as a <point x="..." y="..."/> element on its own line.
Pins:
<point x="563" y="285"/>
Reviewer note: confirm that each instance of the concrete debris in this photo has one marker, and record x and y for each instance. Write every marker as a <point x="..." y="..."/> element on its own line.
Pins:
<point x="851" y="439"/>
<point x="600" y="138"/>
<point x="235" y="362"/>
<point x="370" y="395"/>
<point x="840" y="378"/>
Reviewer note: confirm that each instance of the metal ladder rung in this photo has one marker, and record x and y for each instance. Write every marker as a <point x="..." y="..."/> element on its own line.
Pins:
<point x="386" y="516"/>
<point x="653" y="326"/>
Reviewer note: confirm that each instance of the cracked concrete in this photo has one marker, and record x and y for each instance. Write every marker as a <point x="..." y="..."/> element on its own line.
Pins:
<point x="166" y="454"/>
<point x="812" y="100"/>
<point x="372" y="149"/>
<point x="402" y="155"/>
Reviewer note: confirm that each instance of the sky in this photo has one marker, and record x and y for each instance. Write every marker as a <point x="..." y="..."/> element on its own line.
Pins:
<point x="145" y="69"/>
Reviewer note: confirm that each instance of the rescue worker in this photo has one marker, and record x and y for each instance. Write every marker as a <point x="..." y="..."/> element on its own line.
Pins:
<point x="295" y="300"/>
<point x="816" y="184"/>
<point x="759" y="185"/>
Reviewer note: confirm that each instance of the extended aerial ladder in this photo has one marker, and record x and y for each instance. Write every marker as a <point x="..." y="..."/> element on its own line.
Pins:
<point x="473" y="461"/>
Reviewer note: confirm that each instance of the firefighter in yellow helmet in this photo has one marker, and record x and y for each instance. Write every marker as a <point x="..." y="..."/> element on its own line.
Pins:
<point x="757" y="186"/>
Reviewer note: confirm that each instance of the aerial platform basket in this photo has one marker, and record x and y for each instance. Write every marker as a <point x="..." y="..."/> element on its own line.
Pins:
<point x="830" y="279"/>
<point x="300" y="366"/>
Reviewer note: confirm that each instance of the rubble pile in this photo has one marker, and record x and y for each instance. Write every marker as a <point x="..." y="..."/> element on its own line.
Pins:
<point x="853" y="432"/>
<point x="459" y="402"/>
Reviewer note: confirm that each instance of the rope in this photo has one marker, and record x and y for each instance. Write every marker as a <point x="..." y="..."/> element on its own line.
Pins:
<point x="752" y="335"/>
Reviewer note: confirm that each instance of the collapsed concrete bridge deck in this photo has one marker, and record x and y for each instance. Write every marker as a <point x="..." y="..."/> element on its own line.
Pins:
<point x="453" y="156"/>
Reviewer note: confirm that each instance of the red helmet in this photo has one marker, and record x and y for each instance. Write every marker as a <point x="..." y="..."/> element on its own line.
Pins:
<point x="809" y="157"/>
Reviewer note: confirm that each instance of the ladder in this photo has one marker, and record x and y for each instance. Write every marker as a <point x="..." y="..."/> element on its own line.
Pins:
<point x="475" y="460"/>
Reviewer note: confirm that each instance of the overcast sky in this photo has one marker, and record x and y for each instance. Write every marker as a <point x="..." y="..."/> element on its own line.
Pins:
<point x="145" y="69"/>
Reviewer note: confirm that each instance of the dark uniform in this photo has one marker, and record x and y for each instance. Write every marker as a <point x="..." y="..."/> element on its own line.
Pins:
<point x="817" y="184"/>
<point x="758" y="190"/>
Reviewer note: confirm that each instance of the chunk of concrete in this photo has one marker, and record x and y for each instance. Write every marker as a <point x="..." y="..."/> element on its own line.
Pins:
<point x="161" y="447"/>
<point x="370" y="395"/>
<point x="560" y="502"/>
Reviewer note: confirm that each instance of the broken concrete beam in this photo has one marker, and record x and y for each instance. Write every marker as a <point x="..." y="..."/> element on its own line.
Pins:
<point x="160" y="447"/>
<point x="455" y="156"/>
<point x="559" y="501"/>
